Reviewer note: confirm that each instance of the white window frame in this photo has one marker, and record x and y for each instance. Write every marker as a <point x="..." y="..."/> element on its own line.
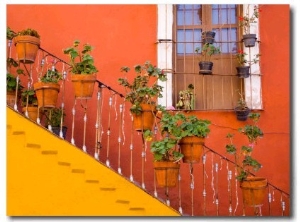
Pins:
<point x="253" y="91"/>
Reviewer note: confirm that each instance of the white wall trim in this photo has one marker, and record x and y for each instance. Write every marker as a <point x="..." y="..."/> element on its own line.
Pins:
<point x="253" y="89"/>
<point x="164" y="50"/>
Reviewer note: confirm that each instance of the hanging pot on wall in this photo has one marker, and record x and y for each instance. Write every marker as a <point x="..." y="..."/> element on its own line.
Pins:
<point x="205" y="67"/>
<point x="243" y="71"/>
<point x="166" y="173"/>
<point x="47" y="94"/>
<point x="208" y="37"/>
<point x="254" y="191"/>
<point x="83" y="85"/>
<point x="27" y="48"/>
<point x="145" y="120"/>
<point x="191" y="148"/>
<point x="242" y="113"/>
<point x="249" y="40"/>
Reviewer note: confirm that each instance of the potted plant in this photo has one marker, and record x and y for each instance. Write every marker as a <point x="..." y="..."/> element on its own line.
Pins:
<point x="186" y="98"/>
<point x="54" y="121"/>
<point x="83" y="68"/>
<point x="243" y="69"/>
<point x="208" y="37"/>
<point x="242" y="111"/>
<point x="27" y="44"/>
<point x="245" y="22"/>
<point x="206" y="52"/>
<point x="253" y="188"/>
<point x="13" y="83"/>
<point x="166" y="155"/>
<point x="47" y="88"/>
<point x="192" y="134"/>
<point x="142" y="92"/>
<point x="13" y="89"/>
<point x="30" y="104"/>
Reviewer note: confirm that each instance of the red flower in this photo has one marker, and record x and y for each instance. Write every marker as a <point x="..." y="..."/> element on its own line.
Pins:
<point x="241" y="18"/>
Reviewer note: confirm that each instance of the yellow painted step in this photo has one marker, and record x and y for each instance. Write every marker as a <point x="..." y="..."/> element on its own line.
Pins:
<point x="47" y="176"/>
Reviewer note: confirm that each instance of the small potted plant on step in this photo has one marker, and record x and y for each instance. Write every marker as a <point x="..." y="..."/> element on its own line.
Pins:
<point x="27" y="44"/>
<point x="186" y="98"/>
<point x="30" y="104"/>
<point x="208" y="50"/>
<point x="54" y="121"/>
<point x="245" y="22"/>
<point x="253" y="187"/>
<point x="83" y="68"/>
<point x="142" y="92"/>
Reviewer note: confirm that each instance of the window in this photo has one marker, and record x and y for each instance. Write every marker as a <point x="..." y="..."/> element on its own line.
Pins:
<point x="176" y="54"/>
<point x="219" y="90"/>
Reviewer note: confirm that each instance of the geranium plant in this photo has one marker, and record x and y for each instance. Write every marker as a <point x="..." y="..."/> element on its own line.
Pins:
<point x="241" y="58"/>
<point x="207" y="51"/>
<point x="82" y="61"/>
<point x="28" y="96"/>
<point x="144" y="88"/>
<point x="246" y="20"/>
<point x="245" y="163"/>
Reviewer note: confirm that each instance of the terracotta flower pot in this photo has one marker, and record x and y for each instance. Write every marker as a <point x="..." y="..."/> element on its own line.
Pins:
<point x="83" y="85"/>
<point x="254" y="191"/>
<point x="27" y="48"/>
<point x="144" y="121"/>
<point x="32" y="112"/>
<point x="11" y="98"/>
<point x="166" y="173"/>
<point x="191" y="148"/>
<point x="47" y="94"/>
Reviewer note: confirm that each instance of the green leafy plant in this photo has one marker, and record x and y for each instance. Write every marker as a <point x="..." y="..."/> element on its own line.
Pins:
<point x="207" y="51"/>
<point x="12" y="83"/>
<point x="144" y="88"/>
<point x="28" y="96"/>
<point x="246" y="20"/>
<point x="55" y="117"/>
<point x="245" y="163"/>
<point x="30" y="32"/>
<point x="10" y="34"/>
<point x="82" y="61"/>
<point x="173" y="127"/>
<point x="51" y="76"/>
<point x="241" y="58"/>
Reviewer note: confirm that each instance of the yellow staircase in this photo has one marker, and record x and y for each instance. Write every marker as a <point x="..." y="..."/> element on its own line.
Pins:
<point x="47" y="176"/>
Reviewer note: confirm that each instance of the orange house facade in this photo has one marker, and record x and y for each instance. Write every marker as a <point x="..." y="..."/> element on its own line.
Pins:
<point x="126" y="35"/>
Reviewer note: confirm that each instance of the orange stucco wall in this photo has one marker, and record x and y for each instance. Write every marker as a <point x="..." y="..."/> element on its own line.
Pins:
<point x="126" y="35"/>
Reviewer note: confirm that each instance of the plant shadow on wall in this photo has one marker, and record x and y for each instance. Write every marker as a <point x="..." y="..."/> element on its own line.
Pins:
<point x="253" y="188"/>
<point x="142" y="92"/>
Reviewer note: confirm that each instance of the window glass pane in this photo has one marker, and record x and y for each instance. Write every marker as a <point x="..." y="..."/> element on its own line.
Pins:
<point x="188" y="15"/>
<point x="188" y="40"/>
<point x="223" y="14"/>
<point x="225" y="39"/>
